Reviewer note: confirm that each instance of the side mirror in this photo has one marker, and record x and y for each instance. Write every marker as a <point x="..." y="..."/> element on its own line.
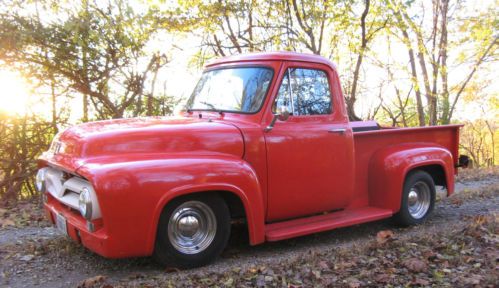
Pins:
<point x="281" y="116"/>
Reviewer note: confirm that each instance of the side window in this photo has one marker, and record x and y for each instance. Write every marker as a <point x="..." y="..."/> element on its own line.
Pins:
<point x="283" y="100"/>
<point x="304" y="92"/>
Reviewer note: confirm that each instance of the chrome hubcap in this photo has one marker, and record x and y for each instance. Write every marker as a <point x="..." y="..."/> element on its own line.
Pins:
<point x="188" y="226"/>
<point x="413" y="197"/>
<point x="419" y="200"/>
<point x="192" y="227"/>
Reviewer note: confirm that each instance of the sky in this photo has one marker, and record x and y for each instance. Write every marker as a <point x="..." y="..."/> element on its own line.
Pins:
<point x="15" y="94"/>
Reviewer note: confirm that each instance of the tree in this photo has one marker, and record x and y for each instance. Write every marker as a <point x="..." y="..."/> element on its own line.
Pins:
<point x="432" y="49"/>
<point x="23" y="138"/>
<point x="368" y="31"/>
<point x="318" y="27"/>
<point x="95" y="50"/>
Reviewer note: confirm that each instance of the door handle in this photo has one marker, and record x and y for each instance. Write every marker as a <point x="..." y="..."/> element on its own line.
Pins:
<point x="338" y="130"/>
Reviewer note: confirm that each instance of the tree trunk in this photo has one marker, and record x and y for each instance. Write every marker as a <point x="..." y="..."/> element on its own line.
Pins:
<point x="149" y="105"/>
<point x="412" y="60"/>
<point x="407" y="41"/>
<point x="421" y="48"/>
<point x="352" y="98"/>
<point x="443" y="64"/>
<point x="250" y="27"/>
<point x="85" y="60"/>
<point x="54" y="105"/>
<point x="432" y="100"/>
<point x="85" y="108"/>
<point x="435" y="59"/>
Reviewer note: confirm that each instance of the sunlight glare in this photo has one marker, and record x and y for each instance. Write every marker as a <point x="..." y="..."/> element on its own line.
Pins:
<point x="14" y="93"/>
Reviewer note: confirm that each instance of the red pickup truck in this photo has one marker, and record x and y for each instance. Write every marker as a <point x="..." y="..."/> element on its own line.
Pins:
<point x="264" y="137"/>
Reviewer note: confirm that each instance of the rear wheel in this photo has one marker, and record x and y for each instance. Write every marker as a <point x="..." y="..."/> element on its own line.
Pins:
<point x="418" y="198"/>
<point x="192" y="231"/>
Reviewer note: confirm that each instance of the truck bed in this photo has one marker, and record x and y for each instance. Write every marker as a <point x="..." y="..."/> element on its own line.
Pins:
<point x="368" y="141"/>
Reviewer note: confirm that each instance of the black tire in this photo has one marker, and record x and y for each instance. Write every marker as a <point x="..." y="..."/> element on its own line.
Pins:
<point x="166" y="253"/>
<point x="416" y="181"/>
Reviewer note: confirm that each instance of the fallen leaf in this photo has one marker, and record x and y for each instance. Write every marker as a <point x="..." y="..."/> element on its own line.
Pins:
<point x="383" y="278"/>
<point x="415" y="265"/>
<point x="171" y="269"/>
<point x="480" y="220"/>
<point x="343" y="265"/>
<point x="91" y="282"/>
<point x="473" y="279"/>
<point x="229" y="282"/>
<point x="420" y="282"/>
<point x="492" y="256"/>
<point x="429" y="255"/>
<point x="7" y="222"/>
<point x="236" y="269"/>
<point x="467" y="259"/>
<point x="323" y="265"/>
<point x="456" y="201"/>
<point x="317" y="274"/>
<point x="354" y="283"/>
<point x="384" y="236"/>
<point x="27" y="258"/>
<point x="253" y="270"/>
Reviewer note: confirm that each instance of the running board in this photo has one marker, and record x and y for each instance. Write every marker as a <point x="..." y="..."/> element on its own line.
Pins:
<point x="303" y="226"/>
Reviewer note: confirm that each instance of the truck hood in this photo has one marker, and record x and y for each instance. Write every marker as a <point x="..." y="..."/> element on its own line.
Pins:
<point x="144" y="136"/>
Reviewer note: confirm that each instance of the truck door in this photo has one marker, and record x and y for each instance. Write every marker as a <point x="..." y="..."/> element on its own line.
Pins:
<point x="310" y="155"/>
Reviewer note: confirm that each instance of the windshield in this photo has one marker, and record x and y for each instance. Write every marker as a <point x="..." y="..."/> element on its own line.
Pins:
<point x="241" y="89"/>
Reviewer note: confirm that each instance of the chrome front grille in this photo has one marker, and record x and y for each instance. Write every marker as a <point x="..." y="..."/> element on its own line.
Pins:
<point x="66" y="188"/>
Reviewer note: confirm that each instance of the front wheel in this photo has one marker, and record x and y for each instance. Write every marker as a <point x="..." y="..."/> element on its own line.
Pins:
<point x="192" y="231"/>
<point x="418" y="198"/>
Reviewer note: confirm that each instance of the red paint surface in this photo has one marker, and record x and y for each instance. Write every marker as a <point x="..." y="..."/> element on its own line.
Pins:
<point x="297" y="170"/>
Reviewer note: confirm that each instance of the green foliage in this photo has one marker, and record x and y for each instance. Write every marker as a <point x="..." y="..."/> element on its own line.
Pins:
<point x="23" y="140"/>
<point x="95" y="50"/>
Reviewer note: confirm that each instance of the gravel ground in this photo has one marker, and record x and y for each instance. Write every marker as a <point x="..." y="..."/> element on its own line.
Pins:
<point x="41" y="257"/>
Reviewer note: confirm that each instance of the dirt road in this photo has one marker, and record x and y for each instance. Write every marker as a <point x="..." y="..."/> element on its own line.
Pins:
<point x="41" y="257"/>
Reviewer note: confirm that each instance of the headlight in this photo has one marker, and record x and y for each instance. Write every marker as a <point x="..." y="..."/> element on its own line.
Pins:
<point x="85" y="203"/>
<point x="40" y="180"/>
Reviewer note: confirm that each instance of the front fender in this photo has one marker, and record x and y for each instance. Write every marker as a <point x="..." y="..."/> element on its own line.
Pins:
<point x="389" y="166"/>
<point x="132" y="194"/>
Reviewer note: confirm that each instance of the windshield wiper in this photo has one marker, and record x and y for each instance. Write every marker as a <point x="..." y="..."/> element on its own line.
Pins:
<point x="212" y="107"/>
<point x="209" y="105"/>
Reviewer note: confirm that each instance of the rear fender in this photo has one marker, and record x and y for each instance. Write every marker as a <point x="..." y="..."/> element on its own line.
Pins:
<point x="389" y="166"/>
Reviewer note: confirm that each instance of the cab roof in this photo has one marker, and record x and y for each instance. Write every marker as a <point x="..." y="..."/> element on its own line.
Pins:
<point x="272" y="56"/>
